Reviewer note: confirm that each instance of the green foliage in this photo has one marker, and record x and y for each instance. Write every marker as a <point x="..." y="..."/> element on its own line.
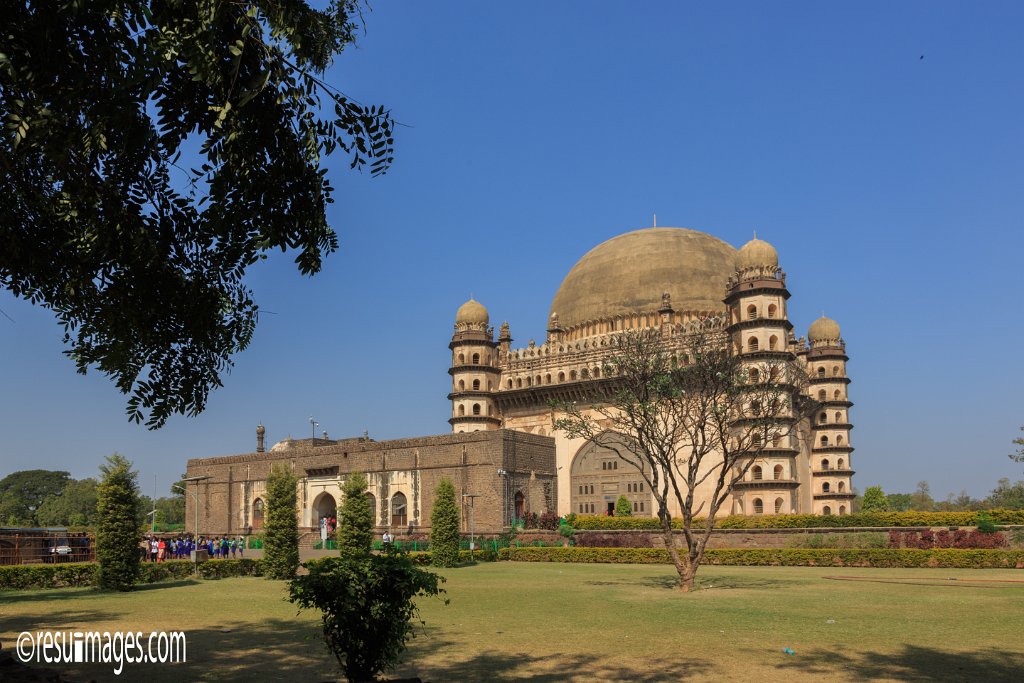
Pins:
<point x="74" y="506"/>
<point x="1006" y="495"/>
<point x="83" y="574"/>
<point x="985" y="523"/>
<point x="280" y="527"/>
<point x="141" y="253"/>
<point x="117" y="529"/>
<point x="1018" y="455"/>
<point x="444" y="526"/>
<point x="789" y="557"/>
<point x="355" y="519"/>
<point x="864" y="519"/>
<point x="22" y="493"/>
<point x="623" y="508"/>
<point x="874" y="500"/>
<point x="367" y="605"/>
<point x="897" y="502"/>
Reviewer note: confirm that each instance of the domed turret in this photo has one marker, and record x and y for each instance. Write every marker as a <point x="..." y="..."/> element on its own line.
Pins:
<point x="823" y="329"/>
<point x="757" y="253"/>
<point x="472" y="312"/>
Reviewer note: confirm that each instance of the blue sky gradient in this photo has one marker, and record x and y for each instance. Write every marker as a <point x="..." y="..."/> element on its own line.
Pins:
<point x="891" y="186"/>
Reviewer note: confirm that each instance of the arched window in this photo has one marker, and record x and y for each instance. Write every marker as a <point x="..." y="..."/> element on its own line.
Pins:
<point x="839" y="440"/>
<point x="476" y="408"/>
<point x="462" y="359"/>
<point x="756" y="472"/>
<point x="839" y="464"/>
<point x="751" y="312"/>
<point x="776" y="440"/>
<point x="755" y="375"/>
<point x="372" y="501"/>
<point x="476" y="385"/>
<point x="476" y="359"/>
<point x="520" y="503"/>
<point x="755" y="407"/>
<point x="597" y="372"/>
<point x="826" y="510"/>
<point x="529" y="381"/>
<point x="257" y="514"/>
<point x="778" y="505"/>
<point x="841" y="486"/>
<point x="519" y="382"/>
<point x="835" y="370"/>
<point x="537" y="380"/>
<point x="510" y="384"/>
<point x="585" y="373"/>
<point x="399" y="510"/>
<point x="839" y="417"/>
<point x="572" y="374"/>
<point x="824" y="463"/>
<point x="835" y="394"/>
<point x="826" y="487"/>
<point x="547" y="379"/>
<point x="758" y="506"/>
<point x="821" y="372"/>
<point x="822" y="419"/>
<point x="772" y="310"/>
<point x="777" y="472"/>
<point x="462" y="385"/>
<point x="752" y="344"/>
<point x="772" y="341"/>
<point x="821" y="395"/>
<point x="755" y="441"/>
<point x="561" y="377"/>
<point x="462" y="410"/>
<point x="842" y="509"/>
<point x="824" y="440"/>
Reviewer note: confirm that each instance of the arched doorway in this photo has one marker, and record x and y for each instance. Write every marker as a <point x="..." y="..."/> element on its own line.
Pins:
<point x="520" y="505"/>
<point x="257" y="514"/>
<point x="599" y="475"/>
<point x="399" y="510"/>
<point x="324" y="507"/>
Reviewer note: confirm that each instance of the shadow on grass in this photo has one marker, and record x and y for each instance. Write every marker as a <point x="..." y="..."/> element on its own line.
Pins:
<point x="913" y="663"/>
<point x="59" y="621"/>
<point x="524" y="666"/>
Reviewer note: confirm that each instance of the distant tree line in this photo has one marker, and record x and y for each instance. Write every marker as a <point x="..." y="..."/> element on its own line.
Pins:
<point x="41" y="498"/>
<point x="1005" y="495"/>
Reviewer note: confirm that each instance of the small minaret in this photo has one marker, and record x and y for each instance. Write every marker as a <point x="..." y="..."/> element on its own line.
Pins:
<point x="260" y="432"/>
<point x="760" y="333"/>
<point x="830" y="448"/>
<point x="475" y="370"/>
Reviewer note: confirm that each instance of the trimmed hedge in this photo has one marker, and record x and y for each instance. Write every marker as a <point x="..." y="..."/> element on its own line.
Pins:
<point x="83" y="574"/>
<point x="862" y="519"/>
<point x="786" y="557"/>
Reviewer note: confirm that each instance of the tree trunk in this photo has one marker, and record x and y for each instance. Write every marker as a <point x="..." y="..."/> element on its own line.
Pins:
<point x="673" y="552"/>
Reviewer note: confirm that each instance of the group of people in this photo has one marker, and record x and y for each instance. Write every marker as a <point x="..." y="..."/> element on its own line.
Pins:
<point x="155" y="549"/>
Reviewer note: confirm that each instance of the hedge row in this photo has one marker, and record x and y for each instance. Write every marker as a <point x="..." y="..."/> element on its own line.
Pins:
<point x="787" y="557"/>
<point x="83" y="574"/>
<point x="862" y="519"/>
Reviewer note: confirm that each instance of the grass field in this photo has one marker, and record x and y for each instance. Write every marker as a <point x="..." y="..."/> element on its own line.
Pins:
<point x="553" y="622"/>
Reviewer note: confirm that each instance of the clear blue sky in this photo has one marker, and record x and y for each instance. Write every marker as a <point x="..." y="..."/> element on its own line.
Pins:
<point x="892" y="186"/>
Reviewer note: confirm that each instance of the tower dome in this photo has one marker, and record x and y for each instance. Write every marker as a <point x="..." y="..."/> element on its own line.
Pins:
<point x="628" y="274"/>
<point x="756" y="253"/>
<point x="823" y="329"/>
<point x="472" y="312"/>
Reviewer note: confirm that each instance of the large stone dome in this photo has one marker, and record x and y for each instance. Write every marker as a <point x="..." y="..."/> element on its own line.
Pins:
<point x="628" y="273"/>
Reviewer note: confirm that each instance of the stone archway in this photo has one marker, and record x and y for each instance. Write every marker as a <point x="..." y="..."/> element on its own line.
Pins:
<point x="324" y="506"/>
<point x="598" y="476"/>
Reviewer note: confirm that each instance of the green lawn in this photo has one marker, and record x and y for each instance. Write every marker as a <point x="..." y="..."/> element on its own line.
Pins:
<point x="553" y="622"/>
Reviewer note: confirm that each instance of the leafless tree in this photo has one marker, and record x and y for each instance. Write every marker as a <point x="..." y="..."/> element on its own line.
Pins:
<point x="697" y="415"/>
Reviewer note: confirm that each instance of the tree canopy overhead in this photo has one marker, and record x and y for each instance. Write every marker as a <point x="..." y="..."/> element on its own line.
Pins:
<point x="108" y="217"/>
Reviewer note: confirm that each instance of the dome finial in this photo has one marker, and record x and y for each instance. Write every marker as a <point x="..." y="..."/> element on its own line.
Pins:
<point x="655" y="220"/>
<point x="755" y="233"/>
